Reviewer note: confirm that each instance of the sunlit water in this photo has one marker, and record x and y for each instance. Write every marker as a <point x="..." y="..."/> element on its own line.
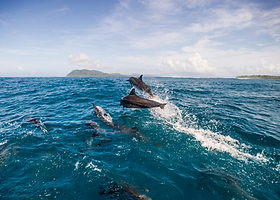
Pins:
<point x="215" y="139"/>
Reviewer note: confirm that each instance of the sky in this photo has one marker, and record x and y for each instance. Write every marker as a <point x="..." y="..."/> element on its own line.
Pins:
<point x="179" y="38"/>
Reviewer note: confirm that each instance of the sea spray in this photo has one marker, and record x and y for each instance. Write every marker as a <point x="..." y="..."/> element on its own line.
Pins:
<point x="210" y="140"/>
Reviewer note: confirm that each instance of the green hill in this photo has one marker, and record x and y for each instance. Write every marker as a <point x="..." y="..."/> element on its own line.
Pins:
<point x="258" y="77"/>
<point x="91" y="73"/>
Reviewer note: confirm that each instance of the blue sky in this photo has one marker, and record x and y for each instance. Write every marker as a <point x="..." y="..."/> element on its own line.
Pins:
<point x="191" y="38"/>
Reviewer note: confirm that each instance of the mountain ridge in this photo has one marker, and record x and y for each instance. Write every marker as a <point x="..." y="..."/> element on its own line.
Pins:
<point x="92" y="73"/>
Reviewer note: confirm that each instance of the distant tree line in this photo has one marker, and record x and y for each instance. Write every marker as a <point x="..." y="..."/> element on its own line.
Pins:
<point x="91" y="73"/>
<point x="258" y="77"/>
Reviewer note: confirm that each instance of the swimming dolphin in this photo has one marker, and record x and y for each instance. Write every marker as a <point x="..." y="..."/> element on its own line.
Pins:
<point x="134" y="101"/>
<point x="101" y="113"/>
<point x="225" y="183"/>
<point x="94" y="126"/>
<point x="6" y="151"/>
<point x="133" y="192"/>
<point x="123" y="190"/>
<point x="138" y="83"/>
<point x="131" y="131"/>
<point x="101" y="140"/>
<point x="37" y="123"/>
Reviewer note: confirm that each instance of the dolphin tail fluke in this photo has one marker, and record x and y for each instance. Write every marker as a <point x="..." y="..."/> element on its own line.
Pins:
<point x="162" y="105"/>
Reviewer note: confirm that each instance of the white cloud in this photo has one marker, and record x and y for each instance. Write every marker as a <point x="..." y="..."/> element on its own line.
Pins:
<point x="173" y="6"/>
<point x="156" y="39"/>
<point x="192" y="64"/>
<point x="223" y="19"/>
<point x="84" y="61"/>
<point x="124" y="4"/>
<point x="3" y="22"/>
<point x="268" y="68"/>
<point x="162" y="10"/>
<point x="163" y="6"/>
<point x="62" y="10"/>
<point x="232" y="62"/>
<point x="270" y="22"/>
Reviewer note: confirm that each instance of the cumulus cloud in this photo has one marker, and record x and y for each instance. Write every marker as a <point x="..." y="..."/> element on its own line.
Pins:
<point x="84" y="61"/>
<point x="269" y="68"/>
<point x="192" y="64"/>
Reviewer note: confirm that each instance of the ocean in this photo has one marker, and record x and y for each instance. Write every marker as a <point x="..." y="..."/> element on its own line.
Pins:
<point x="215" y="139"/>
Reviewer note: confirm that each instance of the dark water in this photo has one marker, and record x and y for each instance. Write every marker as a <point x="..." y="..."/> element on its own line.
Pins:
<point x="215" y="139"/>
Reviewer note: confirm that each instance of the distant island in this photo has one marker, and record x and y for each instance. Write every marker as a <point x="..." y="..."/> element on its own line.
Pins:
<point x="258" y="77"/>
<point x="91" y="73"/>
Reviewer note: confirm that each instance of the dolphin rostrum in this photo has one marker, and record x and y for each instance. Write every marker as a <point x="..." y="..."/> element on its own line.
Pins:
<point x="134" y="101"/>
<point x="101" y="113"/>
<point x="138" y="83"/>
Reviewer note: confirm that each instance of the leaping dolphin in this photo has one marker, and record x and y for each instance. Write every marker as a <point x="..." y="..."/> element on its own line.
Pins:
<point x="138" y="83"/>
<point x="134" y="101"/>
<point x="105" y="117"/>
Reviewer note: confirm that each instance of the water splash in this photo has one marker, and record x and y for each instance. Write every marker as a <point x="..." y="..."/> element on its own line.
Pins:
<point x="210" y="140"/>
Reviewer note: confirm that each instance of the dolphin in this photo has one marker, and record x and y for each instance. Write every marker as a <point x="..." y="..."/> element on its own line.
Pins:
<point x="131" y="131"/>
<point x="225" y="183"/>
<point x="134" y="132"/>
<point x="101" y="113"/>
<point x="138" y="83"/>
<point x="6" y="151"/>
<point x="134" y="101"/>
<point x="37" y="123"/>
<point x="133" y="192"/>
<point x="94" y="126"/>
<point x="123" y="190"/>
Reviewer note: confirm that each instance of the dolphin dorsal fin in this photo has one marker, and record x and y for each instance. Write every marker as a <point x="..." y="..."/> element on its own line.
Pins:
<point x="132" y="92"/>
<point x="141" y="77"/>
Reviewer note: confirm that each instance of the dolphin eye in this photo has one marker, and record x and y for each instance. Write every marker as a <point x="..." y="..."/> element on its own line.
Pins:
<point x="105" y="114"/>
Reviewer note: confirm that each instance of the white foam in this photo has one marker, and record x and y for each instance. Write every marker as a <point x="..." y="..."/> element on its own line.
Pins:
<point x="4" y="142"/>
<point x="77" y="165"/>
<point x="92" y="166"/>
<point x="210" y="140"/>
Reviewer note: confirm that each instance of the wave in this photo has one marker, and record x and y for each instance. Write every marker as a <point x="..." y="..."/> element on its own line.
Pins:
<point x="210" y="140"/>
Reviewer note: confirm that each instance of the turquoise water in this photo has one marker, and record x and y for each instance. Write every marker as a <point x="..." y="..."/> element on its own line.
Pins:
<point x="215" y="139"/>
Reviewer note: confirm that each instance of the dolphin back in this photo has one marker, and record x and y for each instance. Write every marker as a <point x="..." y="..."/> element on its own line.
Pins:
<point x="134" y="101"/>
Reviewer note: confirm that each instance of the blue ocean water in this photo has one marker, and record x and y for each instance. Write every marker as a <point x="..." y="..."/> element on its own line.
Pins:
<point x="215" y="139"/>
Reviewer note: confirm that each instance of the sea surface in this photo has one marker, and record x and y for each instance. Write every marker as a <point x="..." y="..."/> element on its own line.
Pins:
<point x="215" y="139"/>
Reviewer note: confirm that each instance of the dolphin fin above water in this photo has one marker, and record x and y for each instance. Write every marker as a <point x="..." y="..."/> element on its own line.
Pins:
<point x="37" y="123"/>
<point x="134" y="101"/>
